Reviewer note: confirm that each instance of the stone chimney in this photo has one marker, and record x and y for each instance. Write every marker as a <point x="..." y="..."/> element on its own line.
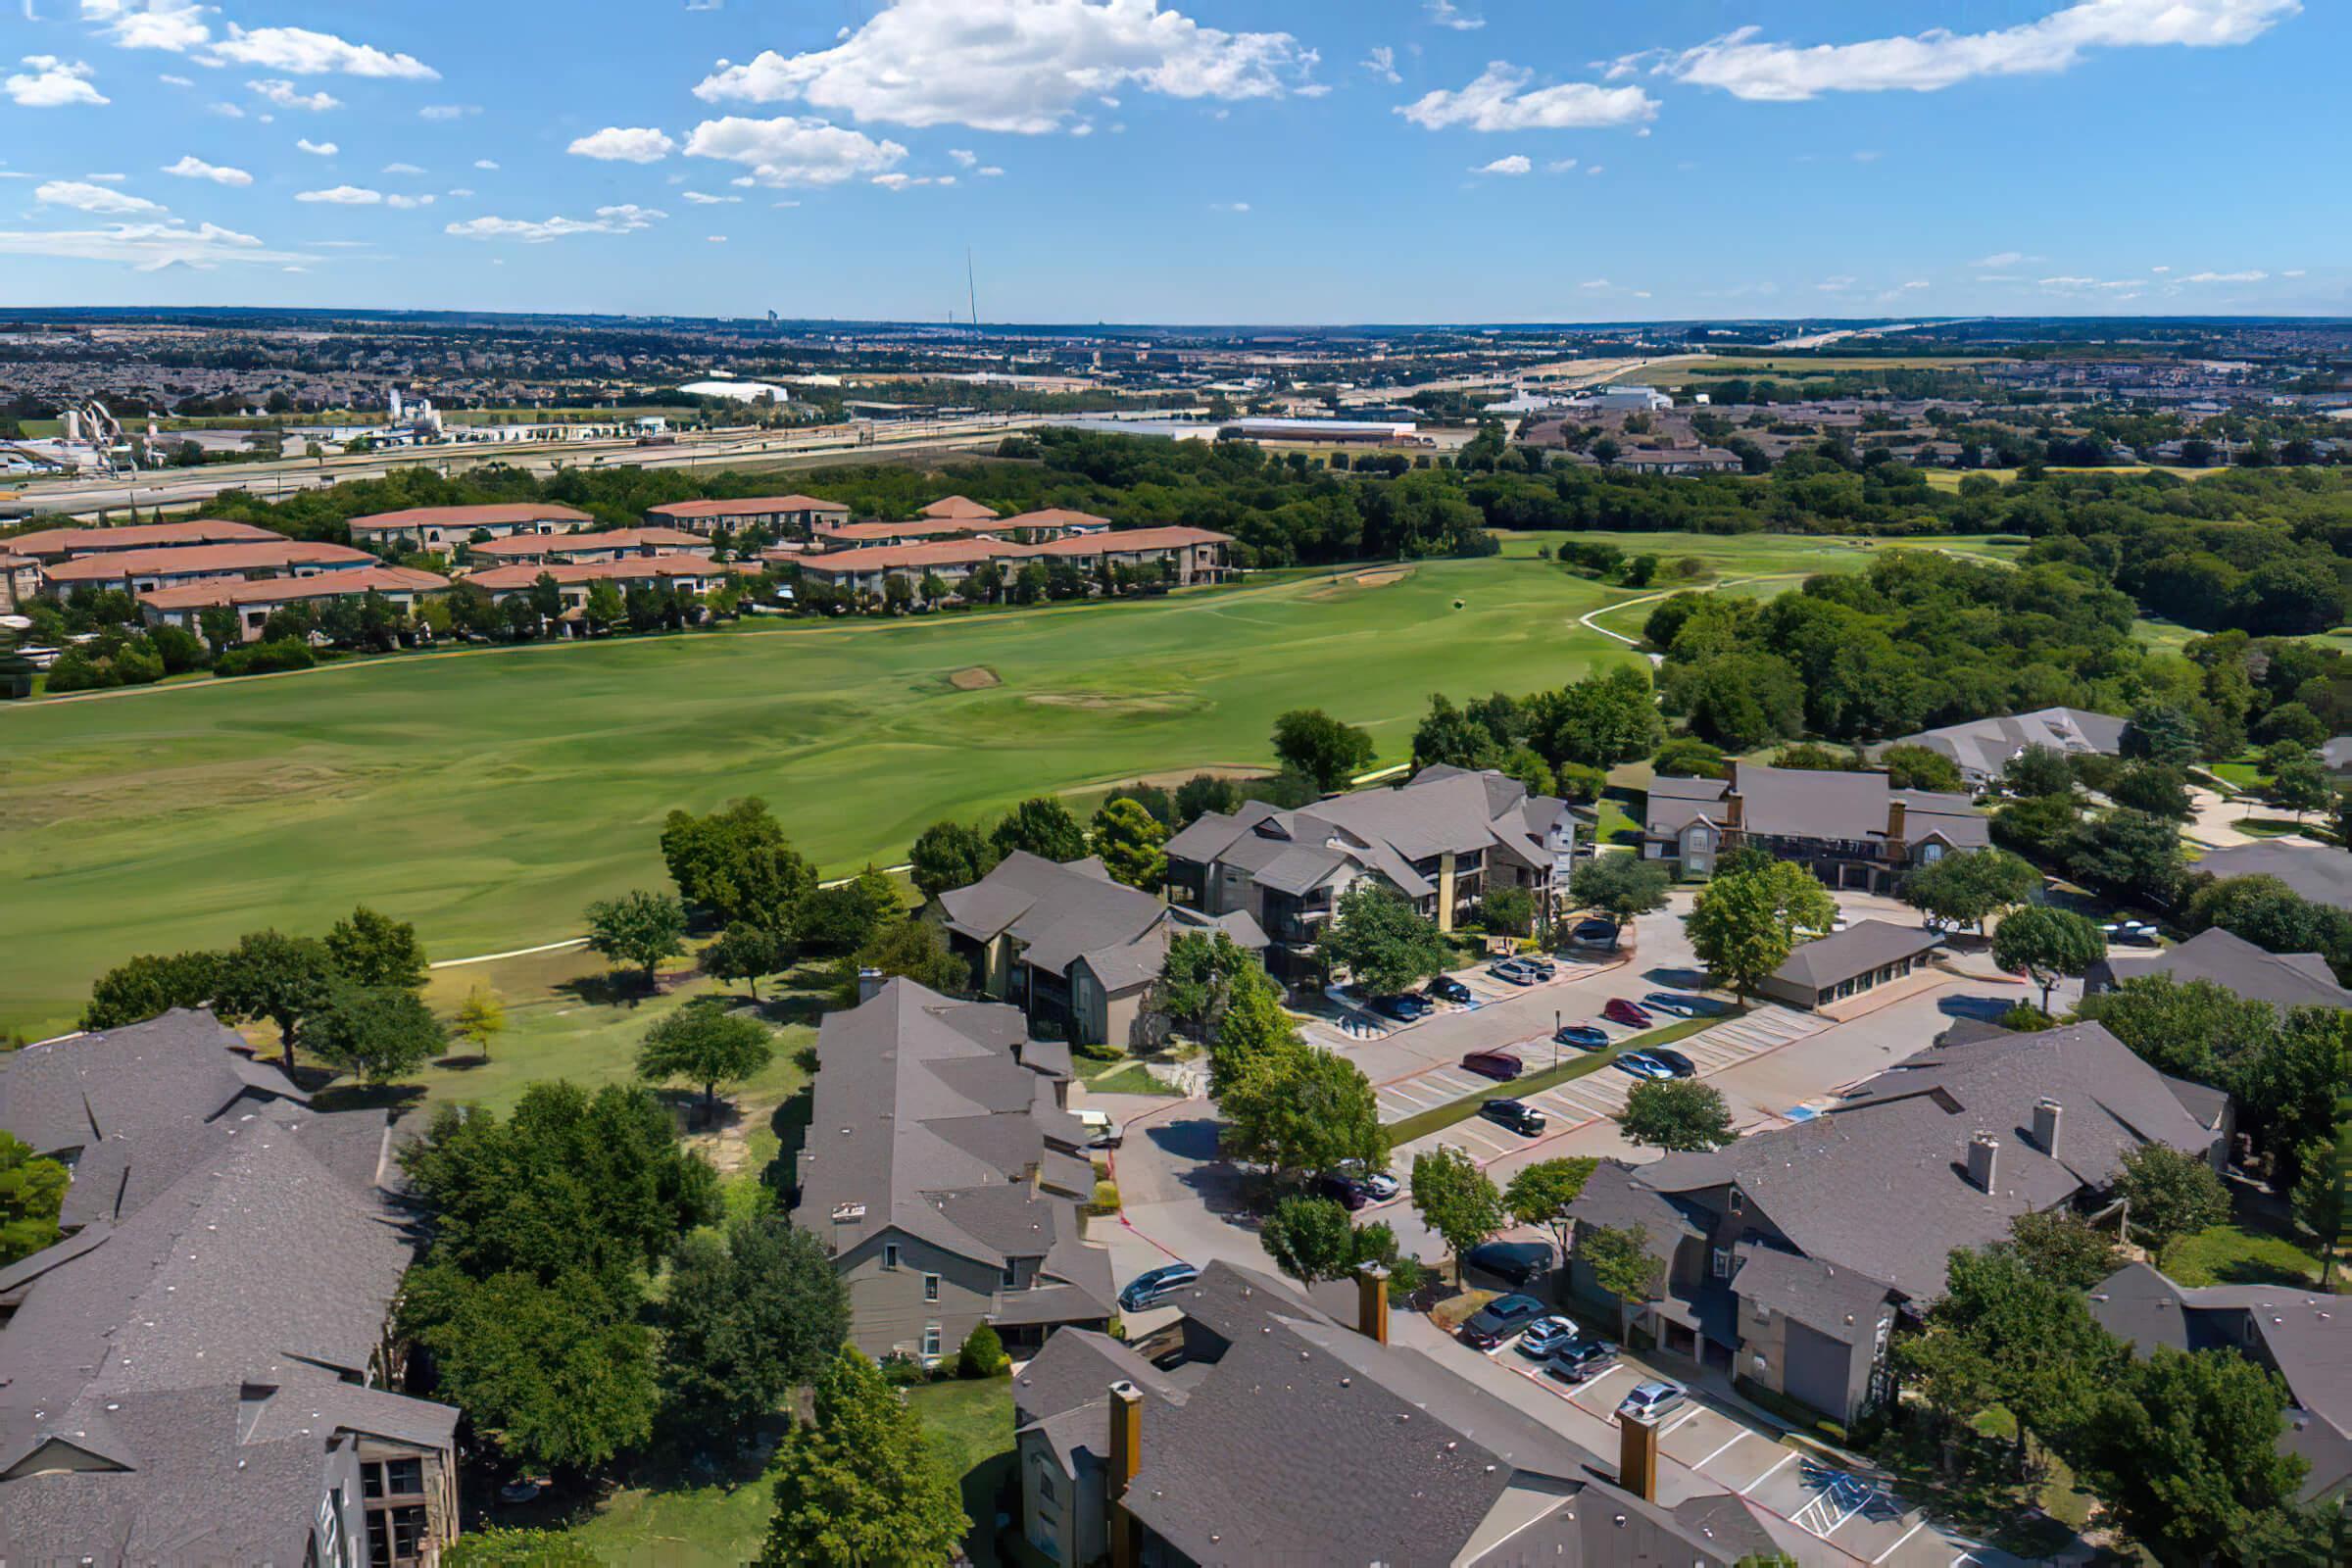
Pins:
<point x="870" y="983"/>
<point x="2047" y="1115"/>
<point x="1637" y="1455"/>
<point x="1126" y="1458"/>
<point x="1983" y="1150"/>
<point x="1372" y="1302"/>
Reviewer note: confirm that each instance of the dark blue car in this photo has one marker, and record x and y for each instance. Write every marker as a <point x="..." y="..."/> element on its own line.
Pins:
<point x="1583" y="1036"/>
<point x="1155" y="1285"/>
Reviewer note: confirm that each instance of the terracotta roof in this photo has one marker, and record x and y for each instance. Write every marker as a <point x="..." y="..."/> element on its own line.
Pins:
<point x="278" y="590"/>
<point x="956" y="506"/>
<point x="890" y="532"/>
<point x="1118" y="543"/>
<point x="257" y="557"/>
<point x="566" y="572"/>
<point x="610" y="539"/>
<point x="1055" y="518"/>
<point x="744" y="506"/>
<point x="900" y="558"/>
<point x="515" y="512"/>
<point x="136" y="536"/>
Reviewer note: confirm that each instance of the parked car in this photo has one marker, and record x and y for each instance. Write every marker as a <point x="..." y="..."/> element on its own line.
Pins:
<point x="1673" y="1002"/>
<point x="1404" y="1008"/>
<point x="1674" y="1061"/>
<point x="1517" y="1115"/>
<point x="1378" y="1184"/>
<point x="1546" y="1336"/>
<point x="1580" y="1359"/>
<point x="1641" y="1064"/>
<point x="1101" y="1131"/>
<point x="2130" y="933"/>
<point x="1628" y="1013"/>
<point x="1514" y="1263"/>
<point x="1514" y="971"/>
<point x="1596" y="933"/>
<point x="1652" y="1399"/>
<point x="1544" y="968"/>
<point x="1347" y="1194"/>
<point x="1155" y="1285"/>
<point x="1446" y="988"/>
<point x="1498" y="1320"/>
<point x="1583" y="1036"/>
<point x="1499" y="1065"/>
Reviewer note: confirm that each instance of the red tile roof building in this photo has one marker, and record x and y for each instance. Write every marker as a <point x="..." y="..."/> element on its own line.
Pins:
<point x="695" y="574"/>
<point x="609" y="545"/>
<point x="443" y="527"/>
<point x="1198" y="555"/>
<point x="785" y="517"/>
<point x="59" y="544"/>
<point x="256" y="600"/>
<point x="140" y="571"/>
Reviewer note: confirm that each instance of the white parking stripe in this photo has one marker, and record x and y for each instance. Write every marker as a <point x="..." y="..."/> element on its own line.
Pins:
<point x="1767" y="1475"/>
<point x="1690" y="1416"/>
<point x="1718" y="1453"/>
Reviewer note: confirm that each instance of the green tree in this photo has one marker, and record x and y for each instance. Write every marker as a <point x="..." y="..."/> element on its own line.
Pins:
<point x="1197" y="979"/>
<point x="1508" y="910"/>
<point x="32" y="1189"/>
<point x="1922" y="768"/>
<point x="982" y="1355"/>
<point x="1042" y="826"/>
<point x="1970" y="888"/>
<point x="2190" y="1029"/>
<point x="750" y="1315"/>
<point x="1620" y="1262"/>
<point x="481" y="1018"/>
<point x="1296" y="1110"/>
<point x="1456" y="1199"/>
<point x="605" y="608"/>
<point x="1310" y="1237"/>
<point x="514" y="1547"/>
<point x="2169" y="1194"/>
<point x="1744" y="925"/>
<point x="2037" y="771"/>
<point x="640" y="929"/>
<point x="2157" y="791"/>
<point x="2059" y="1247"/>
<point x="1321" y="747"/>
<point x="2301" y="786"/>
<point x="375" y="950"/>
<point x="1622" y="886"/>
<point x="1130" y="844"/>
<point x="2045" y="944"/>
<point x="1253" y="1026"/>
<point x="736" y="863"/>
<point x="910" y="950"/>
<point x="746" y="952"/>
<point x="704" y="1043"/>
<point x="271" y="976"/>
<point x="1205" y="795"/>
<point x="555" y="1374"/>
<point x="379" y="1032"/>
<point x="2128" y="853"/>
<point x="843" y="918"/>
<point x="860" y="1485"/>
<point x="1686" y="756"/>
<point x="150" y="986"/>
<point x="2164" y="733"/>
<point x="947" y="855"/>
<point x="2290" y="1086"/>
<point x="1540" y="1194"/>
<point x="1380" y="939"/>
<point x="1680" y="1114"/>
<point x="1448" y="736"/>
<point x="2184" y="1452"/>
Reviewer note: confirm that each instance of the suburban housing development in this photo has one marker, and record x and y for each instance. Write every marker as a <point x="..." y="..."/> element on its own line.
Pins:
<point x="1852" y="830"/>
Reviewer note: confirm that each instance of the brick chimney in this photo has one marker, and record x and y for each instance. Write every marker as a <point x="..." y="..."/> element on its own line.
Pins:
<point x="2048" y="1115"/>
<point x="1983" y="1150"/>
<point x="1126" y="1458"/>
<point x="1637" y="1455"/>
<point x="1898" y="822"/>
<point x="1735" y="814"/>
<point x="1372" y="1302"/>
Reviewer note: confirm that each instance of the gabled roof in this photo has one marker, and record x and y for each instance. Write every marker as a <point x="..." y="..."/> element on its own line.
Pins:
<point x="2282" y="979"/>
<point x="44" y="543"/>
<point x="1057" y="911"/>
<point x="506" y="513"/>
<point x="286" y="590"/>
<point x="745" y="507"/>
<point x="259" y="555"/>
<point x="1879" y="1183"/>
<point x="956" y="506"/>
<point x="80" y="1090"/>
<point x="1982" y="746"/>
<point x="2319" y="873"/>
<point x="1838" y="1303"/>
<point x="1860" y="947"/>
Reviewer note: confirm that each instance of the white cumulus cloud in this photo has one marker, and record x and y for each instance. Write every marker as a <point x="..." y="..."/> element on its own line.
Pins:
<point x="1500" y="99"/>
<point x="622" y="219"/>
<point x="402" y="169"/>
<point x="788" y="151"/>
<point x="191" y="167"/>
<point x="1745" y="66"/>
<point x="49" y="82"/>
<point x="624" y="144"/>
<point x="343" y="196"/>
<point x="173" y="25"/>
<point x="1381" y="61"/>
<point x="1515" y="164"/>
<point x="305" y="53"/>
<point x="702" y="198"/>
<point x="2250" y="275"/>
<point x="82" y="196"/>
<point x="318" y="149"/>
<point x="149" y="247"/>
<point x="1445" y="13"/>
<point x="286" y="95"/>
<point x="1021" y="66"/>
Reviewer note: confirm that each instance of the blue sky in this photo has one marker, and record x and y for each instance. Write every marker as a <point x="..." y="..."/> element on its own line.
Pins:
<point x="1190" y="161"/>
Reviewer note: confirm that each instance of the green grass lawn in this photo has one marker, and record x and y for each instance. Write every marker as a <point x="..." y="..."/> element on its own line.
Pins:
<point x="1126" y="1078"/>
<point x="1616" y="825"/>
<point x="489" y="796"/>
<point x="2235" y="1254"/>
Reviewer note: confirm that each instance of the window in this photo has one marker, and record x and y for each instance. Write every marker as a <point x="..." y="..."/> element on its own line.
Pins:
<point x="1722" y="1262"/>
<point x="1759" y="1363"/>
<point x="930" y="1286"/>
<point x="1045" y="1480"/>
<point x="930" y="1339"/>
<point x="1739" y="1202"/>
<point x="1012" y="1275"/>
<point x="890" y="1254"/>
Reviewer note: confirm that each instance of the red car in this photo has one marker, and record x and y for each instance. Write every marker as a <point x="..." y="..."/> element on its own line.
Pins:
<point x="1496" y="1064"/>
<point x="1620" y="1010"/>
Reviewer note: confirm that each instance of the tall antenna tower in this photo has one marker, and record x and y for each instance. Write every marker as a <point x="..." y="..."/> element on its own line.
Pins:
<point x="972" y="292"/>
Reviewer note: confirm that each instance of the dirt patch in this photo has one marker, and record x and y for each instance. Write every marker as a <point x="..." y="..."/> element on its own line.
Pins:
<point x="1355" y="582"/>
<point x="974" y="678"/>
<point x="1172" y="777"/>
<point x="1109" y="703"/>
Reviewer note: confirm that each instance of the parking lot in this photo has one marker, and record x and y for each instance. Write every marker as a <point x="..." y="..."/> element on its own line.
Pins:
<point x="1580" y="1101"/>
<point x="1705" y="1445"/>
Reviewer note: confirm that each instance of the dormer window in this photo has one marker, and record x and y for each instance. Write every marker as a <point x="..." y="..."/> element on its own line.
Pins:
<point x="1739" y="1202"/>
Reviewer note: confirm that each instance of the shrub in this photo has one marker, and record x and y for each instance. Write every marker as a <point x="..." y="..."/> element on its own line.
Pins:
<point x="2025" y="1018"/>
<point x="901" y="1370"/>
<point x="260" y="658"/>
<point x="1106" y="1198"/>
<point x="983" y="1355"/>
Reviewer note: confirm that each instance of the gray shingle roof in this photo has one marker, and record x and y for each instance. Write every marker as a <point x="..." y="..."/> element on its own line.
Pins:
<point x="1838" y="1303"/>
<point x="252" y="1250"/>
<point x="1878" y="1184"/>
<point x="71" y="1092"/>
<point x="1862" y="947"/>
<point x="2282" y="979"/>
<point x="1982" y="746"/>
<point x="2317" y="871"/>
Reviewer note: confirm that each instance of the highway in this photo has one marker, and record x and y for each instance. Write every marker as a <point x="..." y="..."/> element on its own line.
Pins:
<point x="86" y="497"/>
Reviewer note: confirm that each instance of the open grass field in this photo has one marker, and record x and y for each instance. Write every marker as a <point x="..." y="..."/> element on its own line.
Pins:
<point x="489" y="797"/>
<point x="1949" y="478"/>
<point x="1799" y="364"/>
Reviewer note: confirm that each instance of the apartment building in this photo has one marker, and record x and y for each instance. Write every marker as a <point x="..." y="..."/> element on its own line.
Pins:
<point x="1852" y="830"/>
<point x="792" y="517"/>
<point x="441" y="529"/>
<point x="141" y="572"/>
<point x="256" y="600"/>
